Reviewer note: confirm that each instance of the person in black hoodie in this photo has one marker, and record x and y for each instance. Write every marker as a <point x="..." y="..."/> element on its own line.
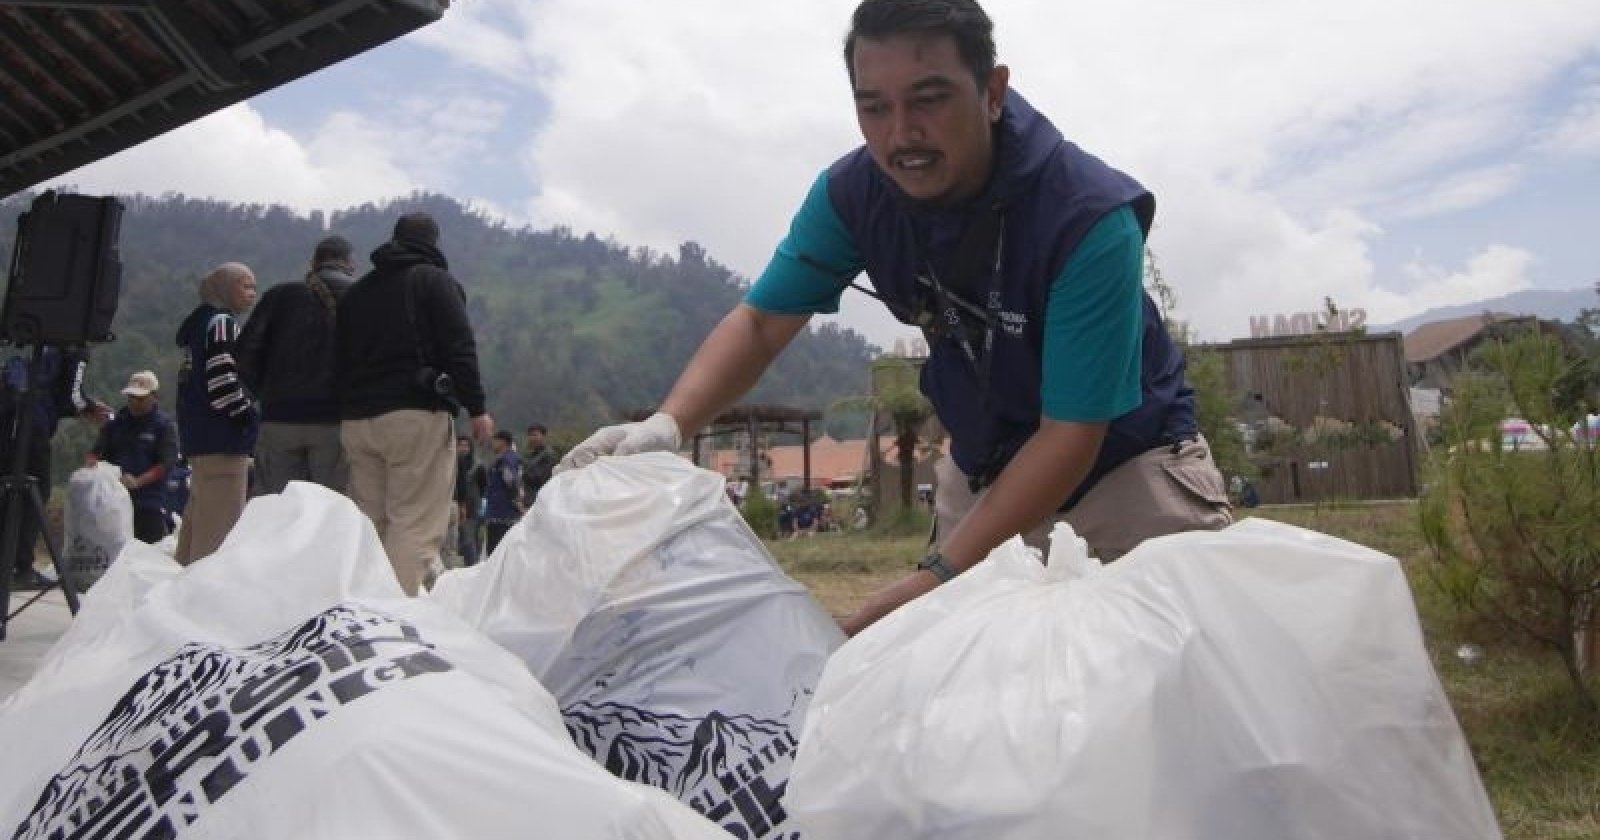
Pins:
<point x="58" y="384"/>
<point x="286" y="356"/>
<point x="217" y="419"/>
<point x="407" y="360"/>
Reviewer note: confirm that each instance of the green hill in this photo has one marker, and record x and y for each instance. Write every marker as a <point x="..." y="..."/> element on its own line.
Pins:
<point x="573" y="330"/>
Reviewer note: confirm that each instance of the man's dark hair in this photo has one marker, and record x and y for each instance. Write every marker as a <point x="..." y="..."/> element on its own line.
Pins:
<point x="332" y="249"/>
<point x="417" y="227"/>
<point x="539" y="427"/>
<point x="503" y="435"/>
<point x="963" y="20"/>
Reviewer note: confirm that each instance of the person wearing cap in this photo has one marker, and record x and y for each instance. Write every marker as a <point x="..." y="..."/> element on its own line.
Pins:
<point x="216" y="416"/>
<point x="286" y="357"/>
<point x="57" y="382"/>
<point x="407" y="361"/>
<point x="500" y="493"/>
<point x="143" y="442"/>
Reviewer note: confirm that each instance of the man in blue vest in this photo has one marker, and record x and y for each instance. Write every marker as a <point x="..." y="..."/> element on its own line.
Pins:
<point x="1021" y="258"/>
<point x="143" y="441"/>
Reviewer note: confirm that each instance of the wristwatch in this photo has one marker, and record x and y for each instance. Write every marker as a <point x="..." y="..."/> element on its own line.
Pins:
<point x="934" y="562"/>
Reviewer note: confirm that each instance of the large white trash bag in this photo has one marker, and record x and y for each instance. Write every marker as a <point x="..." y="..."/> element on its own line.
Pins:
<point x="679" y="652"/>
<point x="284" y="687"/>
<point x="1259" y="683"/>
<point x="97" y="520"/>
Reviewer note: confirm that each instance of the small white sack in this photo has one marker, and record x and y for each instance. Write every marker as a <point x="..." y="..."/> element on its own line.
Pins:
<point x="678" y="650"/>
<point x="1259" y="683"/>
<point x="286" y="687"/>
<point x="97" y="520"/>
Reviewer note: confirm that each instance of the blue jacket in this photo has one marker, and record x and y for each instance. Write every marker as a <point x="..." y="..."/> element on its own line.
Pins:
<point x="58" y="383"/>
<point x="207" y="431"/>
<point x="500" y="494"/>
<point x="1048" y="194"/>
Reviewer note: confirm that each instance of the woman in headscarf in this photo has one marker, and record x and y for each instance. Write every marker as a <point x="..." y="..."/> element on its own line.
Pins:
<point x="217" y="419"/>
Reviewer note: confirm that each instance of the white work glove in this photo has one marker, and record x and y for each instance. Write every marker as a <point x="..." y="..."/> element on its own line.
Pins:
<point x="656" y="433"/>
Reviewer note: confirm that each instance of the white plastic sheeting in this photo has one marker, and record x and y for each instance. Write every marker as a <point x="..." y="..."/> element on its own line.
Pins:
<point x="1259" y="683"/>
<point x="97" y="519"/>
<point x="678" y="650"/>
<point x="285" y="687"/>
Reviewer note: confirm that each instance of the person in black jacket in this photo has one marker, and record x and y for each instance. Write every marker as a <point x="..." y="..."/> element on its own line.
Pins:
<point x="286" y="357"/>
<point x="406" y="359"/>
<point x="58" y="383"/>
<point x="471" y="482"/>
<point x="538" y="462"/>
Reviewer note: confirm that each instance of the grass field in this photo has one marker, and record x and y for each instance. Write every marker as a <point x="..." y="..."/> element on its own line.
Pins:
<point x="1539" y="754"/>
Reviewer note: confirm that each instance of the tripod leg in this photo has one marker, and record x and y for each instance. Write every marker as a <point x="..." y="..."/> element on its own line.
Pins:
<point x="63" y="579"/>
<point x="9" y="523"/>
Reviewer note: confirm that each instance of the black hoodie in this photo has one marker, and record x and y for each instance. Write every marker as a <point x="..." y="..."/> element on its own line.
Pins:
<point x="286" y="350"/>
<point x="380" y="350"/>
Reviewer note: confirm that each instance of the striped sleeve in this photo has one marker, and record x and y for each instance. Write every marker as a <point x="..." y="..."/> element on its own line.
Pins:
<point x="224" y="390"/>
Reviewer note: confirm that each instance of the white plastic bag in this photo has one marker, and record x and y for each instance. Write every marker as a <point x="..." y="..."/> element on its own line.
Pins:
<point x="285" y="687"/>
<point x="97" y="520"/>
<point x="679" y="652"/>
<point x="1259" y="683"/>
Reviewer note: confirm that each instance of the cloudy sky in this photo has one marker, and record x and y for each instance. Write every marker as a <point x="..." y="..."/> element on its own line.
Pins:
<point x="1391" y="154"/>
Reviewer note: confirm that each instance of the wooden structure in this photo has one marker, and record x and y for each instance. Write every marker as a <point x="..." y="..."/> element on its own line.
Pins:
<point x="1326" y="416"/>
<point x="1437" y="351"/>
<point x="754" y="420"/>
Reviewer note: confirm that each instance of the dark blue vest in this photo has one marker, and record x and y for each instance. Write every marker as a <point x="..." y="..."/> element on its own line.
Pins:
<point x="1049" y="194"/>
<point x="134" y="444"/>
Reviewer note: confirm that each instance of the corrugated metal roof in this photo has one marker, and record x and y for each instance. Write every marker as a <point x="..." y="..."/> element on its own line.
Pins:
<point x="83" y="79"/>
<point x="1436" y="338"/>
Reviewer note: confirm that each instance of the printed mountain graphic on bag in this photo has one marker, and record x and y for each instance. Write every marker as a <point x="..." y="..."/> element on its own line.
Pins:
<point x="192" y="728"/>
<point x="732" y="769"/>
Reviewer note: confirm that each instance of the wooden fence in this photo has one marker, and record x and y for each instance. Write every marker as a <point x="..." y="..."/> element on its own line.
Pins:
<point x="1328" y="415"/>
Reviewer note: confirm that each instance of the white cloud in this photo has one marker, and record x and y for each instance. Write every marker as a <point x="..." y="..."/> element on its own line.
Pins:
<point x="1577" y="133"/>
<point x="1495" y="271"/>
<point x="1277" y="136"/>
<point x="234" y="155"/>
<point x="487" y="35"/>
<point x="1459" y="191"/>
<point x="1285" y="140"/>
<point x="351" y="158"/>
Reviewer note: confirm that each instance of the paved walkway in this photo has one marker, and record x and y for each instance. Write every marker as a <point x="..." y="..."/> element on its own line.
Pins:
<point x="28" y="636"/>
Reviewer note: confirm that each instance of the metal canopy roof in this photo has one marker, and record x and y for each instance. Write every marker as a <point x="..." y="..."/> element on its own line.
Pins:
<point x="81" y="79"/>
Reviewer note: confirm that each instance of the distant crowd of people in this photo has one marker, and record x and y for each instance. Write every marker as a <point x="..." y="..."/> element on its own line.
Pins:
<point x="350" y="383"/>
<point x="492" y="497"/>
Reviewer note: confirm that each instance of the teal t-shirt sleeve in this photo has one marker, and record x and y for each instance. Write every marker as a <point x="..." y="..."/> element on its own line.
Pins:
<point x="1094" y="323"/>
<point x="812" y="265"/>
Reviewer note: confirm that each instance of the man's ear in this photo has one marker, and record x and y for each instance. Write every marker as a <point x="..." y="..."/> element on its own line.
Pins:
<point x="995" y="90"/>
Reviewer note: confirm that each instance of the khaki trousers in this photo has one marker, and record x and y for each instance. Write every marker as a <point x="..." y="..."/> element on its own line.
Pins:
<point x="402" y="474"/>
<point x="1157" y="493"/>
<point x="217" y="485"/>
